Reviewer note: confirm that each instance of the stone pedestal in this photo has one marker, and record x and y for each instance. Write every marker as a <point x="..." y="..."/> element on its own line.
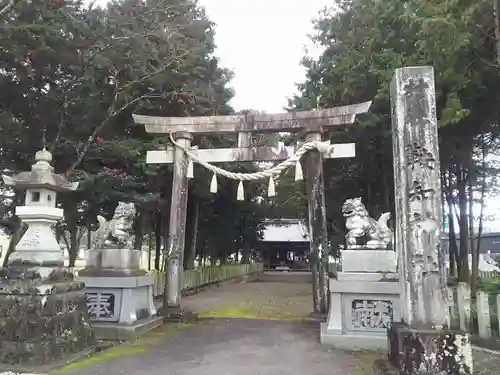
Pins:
<point x="369" y="261"/>
<point x="119" y="295"/>
<point x="42" y="317"/>
<point x="364" y="301"/>
<point x="429" y="351"/>
<point x="42" y="309"/>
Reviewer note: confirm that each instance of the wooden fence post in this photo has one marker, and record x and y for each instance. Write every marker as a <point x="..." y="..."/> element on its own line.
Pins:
<point x="483" y="315"/>
<point x="452" y="307"/>
<point x="464" y="307"/>
<point x="498" y="312"/>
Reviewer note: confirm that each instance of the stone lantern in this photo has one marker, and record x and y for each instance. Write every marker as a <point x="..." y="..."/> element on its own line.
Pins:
<point x="40" y="302"/>
<point x="39" y="245"/>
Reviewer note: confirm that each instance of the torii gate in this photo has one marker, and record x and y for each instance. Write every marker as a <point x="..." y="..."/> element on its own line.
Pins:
<point x="183" y="128"/>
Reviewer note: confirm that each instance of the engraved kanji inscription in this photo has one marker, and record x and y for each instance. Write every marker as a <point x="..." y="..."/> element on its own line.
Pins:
<point x="418" y="155"/>
<point x="100" y="305"/>
<point x="371" y="314"/>
<point x="417" y="192"/>
<point x="417" y="107"/>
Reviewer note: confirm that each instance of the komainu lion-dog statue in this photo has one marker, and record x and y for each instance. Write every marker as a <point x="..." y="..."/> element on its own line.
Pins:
<point x="118" y="232"/>
<point x="359" y="224"/>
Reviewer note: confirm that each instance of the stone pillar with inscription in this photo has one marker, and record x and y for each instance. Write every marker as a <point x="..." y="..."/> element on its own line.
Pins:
<point x="42" y="309"/>
<point x="364" y="299"/>
<point x="119" y="294"/>
<point x="421" y="343"/>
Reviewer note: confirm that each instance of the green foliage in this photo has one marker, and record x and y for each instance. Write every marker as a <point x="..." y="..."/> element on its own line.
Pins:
<point x="364" y="42"/>
<point x="488" y="285"/>
<point x="496" y="260"/>
<point x="72" y="75"/>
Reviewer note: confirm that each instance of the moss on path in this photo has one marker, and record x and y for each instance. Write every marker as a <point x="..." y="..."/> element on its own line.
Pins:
<point x="129" y="348"/>
<point x="258" y="300"/>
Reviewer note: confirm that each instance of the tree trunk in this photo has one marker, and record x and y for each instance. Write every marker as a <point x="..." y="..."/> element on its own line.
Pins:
<point x="245" y="253"/>
<point x="73" y="242"/>
<point x="14" y="240"/>
<point x="496" y="10"/>
<point x="453" y="248"/>
<point x="139" y="229"/>
<point x="452" y="237"/>
<point x="464" y="272"/>
<point x="89" y="236"/>
<point x="474" y="265"/>
<point x="158" y="231"/>
<point x="480" y="226"/>
<point x="202" y="254"/>
<point x="477" y="249"/>
<point x="223" y="256"/>
<point x="150" y="248"/>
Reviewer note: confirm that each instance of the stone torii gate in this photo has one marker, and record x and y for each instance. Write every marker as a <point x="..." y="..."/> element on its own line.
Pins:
<point x="182" y="130"/>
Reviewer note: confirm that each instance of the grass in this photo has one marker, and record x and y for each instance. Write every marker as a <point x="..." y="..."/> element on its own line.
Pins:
<point x="247" y="312"/>
<point x="365" y="360"/>
<point x="259" y="306"/>
<point x="129" y="348"/>
<point x="266" y="301"/>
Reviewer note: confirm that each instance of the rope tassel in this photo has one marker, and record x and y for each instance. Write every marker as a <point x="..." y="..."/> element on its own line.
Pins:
<point x="240" y="195"/>
<point x="299" y="176"/>
<point x="213" y="184"/>
<point x="271" y="190"/>
<point x="190" y="169"/>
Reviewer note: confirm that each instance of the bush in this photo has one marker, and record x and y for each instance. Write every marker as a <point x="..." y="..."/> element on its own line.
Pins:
<point x="496" y="260"/>
<point x="488" y="285"/>
<point x="452" y="281"/>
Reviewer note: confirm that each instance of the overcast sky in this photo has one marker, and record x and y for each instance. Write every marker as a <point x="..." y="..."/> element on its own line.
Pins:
<point x="263" y="41"/>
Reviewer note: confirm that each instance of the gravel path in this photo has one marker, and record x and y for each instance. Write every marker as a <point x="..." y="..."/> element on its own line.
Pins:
<point x="257" y="300"/>
<point x="232" y="347"/>
<point x="291" y="300"/>
<point x="268" y="340"/>
<point x="255" y="330"/>
<point x="486" y="363"/>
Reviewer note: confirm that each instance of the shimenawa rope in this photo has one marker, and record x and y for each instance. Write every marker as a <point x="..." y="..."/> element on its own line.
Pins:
<point x="323" y="147"/>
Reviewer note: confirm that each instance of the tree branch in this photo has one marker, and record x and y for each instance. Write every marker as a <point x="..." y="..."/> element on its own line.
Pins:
<point x="112" y="114"/>
<point x="8" y="7"/>
<point x="153" y="73"/>
<point x="60" y="127"/>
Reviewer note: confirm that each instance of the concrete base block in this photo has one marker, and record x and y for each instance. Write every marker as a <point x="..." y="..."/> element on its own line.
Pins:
<point x="122" y="300"/>
<point x="361" y="309"/>
<point x="367" y="276"/>
<point x="365" y="287"/>
<point x="429" y="351"/>
<point x="369" y="261"/>
<point x="113" y="331"/>
<point x="352" y="341"/>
